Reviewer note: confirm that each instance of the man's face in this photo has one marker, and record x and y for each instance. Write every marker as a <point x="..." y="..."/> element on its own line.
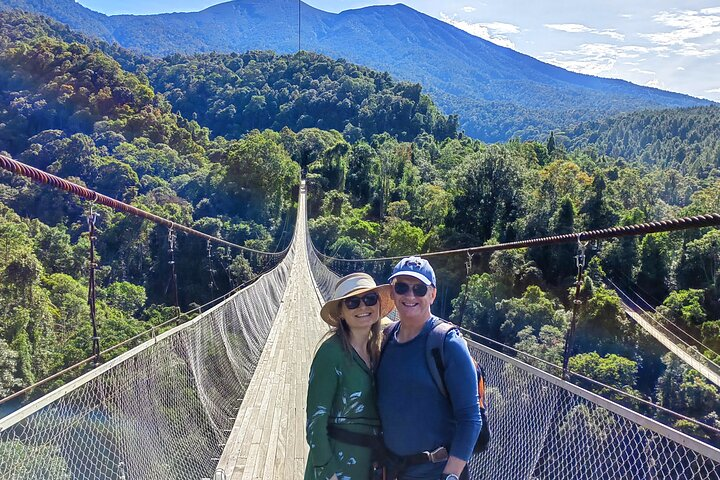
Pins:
<point x="410" y="306"/>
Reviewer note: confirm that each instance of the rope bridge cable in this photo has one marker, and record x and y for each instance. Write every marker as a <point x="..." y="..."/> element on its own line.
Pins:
<point x="685" y="223"/>
<point x="39" y="176"/>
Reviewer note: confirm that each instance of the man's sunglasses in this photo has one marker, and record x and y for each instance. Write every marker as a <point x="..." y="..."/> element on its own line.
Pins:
<point x="418" y="289"/>
<point x="369" y="299"/>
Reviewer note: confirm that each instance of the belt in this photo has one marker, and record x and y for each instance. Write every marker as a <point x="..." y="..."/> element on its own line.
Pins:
<point x="438" y="455"/>
<point x="354" y="438"/>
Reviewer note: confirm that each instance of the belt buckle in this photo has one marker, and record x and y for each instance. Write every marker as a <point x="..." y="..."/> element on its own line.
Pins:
<point x="438" y="455"/>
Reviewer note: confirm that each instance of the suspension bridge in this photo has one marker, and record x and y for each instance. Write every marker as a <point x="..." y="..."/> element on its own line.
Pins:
<point x="685" y="351"/>
<point x="222" y="396"/>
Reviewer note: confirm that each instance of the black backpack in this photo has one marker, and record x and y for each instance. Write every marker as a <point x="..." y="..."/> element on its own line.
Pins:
<point x="435" y="357"/>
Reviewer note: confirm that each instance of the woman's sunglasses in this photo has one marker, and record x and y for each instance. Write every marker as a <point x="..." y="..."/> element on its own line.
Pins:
<point x="369" y="299"/>
<point x="418" y="289"/>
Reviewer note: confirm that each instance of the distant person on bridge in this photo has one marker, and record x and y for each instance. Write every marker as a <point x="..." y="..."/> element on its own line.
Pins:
<point x="433" y="435"/>
<point x="343" y="424"/>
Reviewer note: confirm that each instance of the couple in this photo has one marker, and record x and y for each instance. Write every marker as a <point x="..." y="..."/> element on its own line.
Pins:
<point x="370" y="385"/>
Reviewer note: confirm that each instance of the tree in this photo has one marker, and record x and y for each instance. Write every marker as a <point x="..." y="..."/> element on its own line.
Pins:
<point x="613" y="370"/>
<point x="533" y="309"/>
<point x="547" y="345"/>
<point x="125" y="296"/>
<point x="240" y="270"/>
<point x="684" y="307"/>
<point x="489" y="191"/>
<point x="620" y="256"/>
<point x="551" y="143"/>
<point x="597" y="210"/>
<point x="602" y="324"/>
<point x="8" y="360"/>
<point x="259" y="172"/>
<point x="684" y="390"/>
<point x="400" y="237"/>
<point x="654" y="266"/>
<point x="475" y="307"/>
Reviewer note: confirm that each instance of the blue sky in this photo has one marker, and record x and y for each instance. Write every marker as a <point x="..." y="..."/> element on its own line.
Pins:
<point x="669" y="44"/>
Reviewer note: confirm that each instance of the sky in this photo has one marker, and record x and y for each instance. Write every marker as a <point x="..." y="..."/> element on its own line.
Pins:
<point x="669" y="44"/>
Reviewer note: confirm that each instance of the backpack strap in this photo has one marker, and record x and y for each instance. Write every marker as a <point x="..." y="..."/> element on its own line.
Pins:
<point x="435" y="352"/>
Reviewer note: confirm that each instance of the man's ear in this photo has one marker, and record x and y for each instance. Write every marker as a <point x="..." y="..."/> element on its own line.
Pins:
<point x="433" y="294"/>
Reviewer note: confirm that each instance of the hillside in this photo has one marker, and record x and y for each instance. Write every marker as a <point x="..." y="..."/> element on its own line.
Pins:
<point x="234" y="93"/>
<point x="497" y="92"/>
<point x="686" y="139"/>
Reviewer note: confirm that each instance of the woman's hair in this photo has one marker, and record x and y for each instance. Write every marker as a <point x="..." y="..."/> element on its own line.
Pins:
<point x="374" y="342"/>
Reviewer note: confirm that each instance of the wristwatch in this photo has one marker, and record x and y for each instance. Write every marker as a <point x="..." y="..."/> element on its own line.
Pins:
<point x="451" y="476"/>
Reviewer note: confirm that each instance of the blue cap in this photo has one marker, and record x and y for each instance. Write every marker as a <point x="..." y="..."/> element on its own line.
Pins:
<point x="415" y="267"/>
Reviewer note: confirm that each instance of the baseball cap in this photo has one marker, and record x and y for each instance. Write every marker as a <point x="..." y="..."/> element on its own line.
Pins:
<point x="415" y="267"/>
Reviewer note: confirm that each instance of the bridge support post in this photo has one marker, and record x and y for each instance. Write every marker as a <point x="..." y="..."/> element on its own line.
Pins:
<point x="570" y="336"/>
<point x="91" y="219"/>
<point x="172" y="238"/>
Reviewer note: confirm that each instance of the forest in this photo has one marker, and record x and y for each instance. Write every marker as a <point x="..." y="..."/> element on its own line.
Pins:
<point x="217" y="142"/>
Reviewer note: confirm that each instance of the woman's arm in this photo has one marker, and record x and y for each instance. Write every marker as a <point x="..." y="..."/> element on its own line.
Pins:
<point x="322" y="387"/>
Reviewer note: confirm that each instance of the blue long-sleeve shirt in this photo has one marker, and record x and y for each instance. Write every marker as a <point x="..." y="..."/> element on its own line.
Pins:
<point x="415" y="415"/>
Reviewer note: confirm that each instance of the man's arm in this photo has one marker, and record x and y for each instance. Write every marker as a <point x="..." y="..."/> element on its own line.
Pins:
<point x="461" y="383"/>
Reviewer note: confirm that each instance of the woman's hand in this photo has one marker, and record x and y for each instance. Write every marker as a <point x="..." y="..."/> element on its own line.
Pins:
<point x="334" y="477"/>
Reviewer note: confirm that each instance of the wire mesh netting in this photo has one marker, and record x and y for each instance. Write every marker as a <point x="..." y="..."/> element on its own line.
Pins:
<point x="160" y="411"/>
<point x="545" y="428"/>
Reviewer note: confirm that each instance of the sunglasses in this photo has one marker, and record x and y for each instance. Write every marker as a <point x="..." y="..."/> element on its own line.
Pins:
<point x="418" y="289"/>
<point x="369" y="299"/>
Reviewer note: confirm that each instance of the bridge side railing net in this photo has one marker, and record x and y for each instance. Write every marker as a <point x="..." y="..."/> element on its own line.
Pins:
<point x="545" y="428"/>
<point x="160" y="411"/>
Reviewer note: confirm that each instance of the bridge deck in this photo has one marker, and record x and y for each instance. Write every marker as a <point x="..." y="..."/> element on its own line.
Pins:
<point x="268" y="438"/>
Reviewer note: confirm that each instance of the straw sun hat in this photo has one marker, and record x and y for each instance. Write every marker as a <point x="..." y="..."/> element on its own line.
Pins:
<point x="355" y="284"/>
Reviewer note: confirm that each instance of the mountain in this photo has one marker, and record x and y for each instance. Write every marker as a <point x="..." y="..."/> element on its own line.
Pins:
<point x="497" y="92"/>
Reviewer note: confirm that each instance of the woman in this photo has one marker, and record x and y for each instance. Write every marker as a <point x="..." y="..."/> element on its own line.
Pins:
<point x="341" y="410"/>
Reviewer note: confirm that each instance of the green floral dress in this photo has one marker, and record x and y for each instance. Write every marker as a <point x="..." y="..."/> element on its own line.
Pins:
<point x="341" y="391"/>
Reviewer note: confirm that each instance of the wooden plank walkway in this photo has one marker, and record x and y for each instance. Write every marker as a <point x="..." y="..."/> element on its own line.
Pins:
<point x="268" y="438"/>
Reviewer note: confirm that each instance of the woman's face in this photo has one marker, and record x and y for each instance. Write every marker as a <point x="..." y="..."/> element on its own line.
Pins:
<point x="364" y="316"/>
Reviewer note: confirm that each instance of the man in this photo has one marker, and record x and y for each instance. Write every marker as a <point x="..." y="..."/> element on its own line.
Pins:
<point x="415" y="415"/>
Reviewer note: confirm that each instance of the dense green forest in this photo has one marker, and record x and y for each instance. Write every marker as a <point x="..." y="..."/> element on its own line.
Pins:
<point x="684" y="139"/>
<point x="73" y="111"/>
<point x="181" y="137"/>
<point x="234" y="93"/>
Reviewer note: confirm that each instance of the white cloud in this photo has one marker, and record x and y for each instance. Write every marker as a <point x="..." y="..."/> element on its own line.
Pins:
<point x="644" y="72"/>
<point x="687" y="25"/>
<point x="579" y="28"/>
<point x="501" y="28"/>
<point x="494" y="31"/>
<point x="595" y="58"/>
<point x="694" y="50"/>
<point x="468" y="9"/>
<point x="680" y="68"/>
<point x="714" y="90"/>
<point x="655" y="84"/>
<point x="626" y="15"/>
